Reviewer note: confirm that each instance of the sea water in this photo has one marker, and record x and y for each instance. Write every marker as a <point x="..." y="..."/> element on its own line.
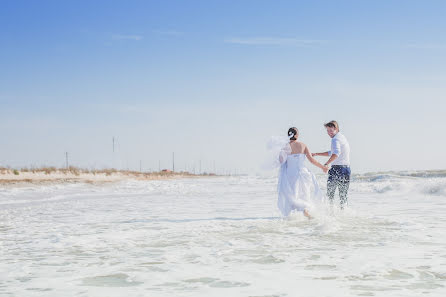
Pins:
<point x="223" y="236"/>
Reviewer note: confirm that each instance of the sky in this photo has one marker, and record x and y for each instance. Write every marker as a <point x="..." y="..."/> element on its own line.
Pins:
<point x="212" y="81"/>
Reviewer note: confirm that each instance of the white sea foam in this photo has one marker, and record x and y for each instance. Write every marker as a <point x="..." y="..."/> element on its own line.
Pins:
<point x="223" y="237"/>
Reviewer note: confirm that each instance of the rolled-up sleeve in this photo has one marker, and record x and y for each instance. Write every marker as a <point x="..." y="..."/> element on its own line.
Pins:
<point x="335" y="147"/>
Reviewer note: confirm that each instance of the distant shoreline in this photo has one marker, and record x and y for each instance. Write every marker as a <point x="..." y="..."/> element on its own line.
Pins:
<point x="52" y="175"/>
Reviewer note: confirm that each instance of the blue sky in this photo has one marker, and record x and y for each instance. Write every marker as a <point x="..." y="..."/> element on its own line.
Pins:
<point x="213" y="80"/>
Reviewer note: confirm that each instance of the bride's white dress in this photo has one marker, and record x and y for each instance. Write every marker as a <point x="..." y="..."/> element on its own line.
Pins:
<point x="297" y="188"/>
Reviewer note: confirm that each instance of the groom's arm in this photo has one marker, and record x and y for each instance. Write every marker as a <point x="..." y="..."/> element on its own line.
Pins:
<point x="326" y="154"/>
<point x="335" y="151"/>
<point x="332" y="158"/>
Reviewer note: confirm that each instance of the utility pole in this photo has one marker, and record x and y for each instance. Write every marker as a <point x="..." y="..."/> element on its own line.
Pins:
<point x="140" y="166"/>
<point x="66" y="159"/>
<point x="159" y="165"/>
<point x="200" y="167"/>
<point x="214" y="168"/>
<point x="113" y="161"/>
<point x="173" y="162"/>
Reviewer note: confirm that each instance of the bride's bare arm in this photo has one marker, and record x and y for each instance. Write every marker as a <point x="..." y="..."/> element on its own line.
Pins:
<point x="313" y="160"/>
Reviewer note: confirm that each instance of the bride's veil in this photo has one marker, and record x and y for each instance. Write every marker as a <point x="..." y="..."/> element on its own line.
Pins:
<point x="278" y="148"/>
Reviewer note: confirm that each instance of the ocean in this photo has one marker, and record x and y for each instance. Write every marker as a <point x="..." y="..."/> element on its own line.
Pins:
<point x="223" y="236"/>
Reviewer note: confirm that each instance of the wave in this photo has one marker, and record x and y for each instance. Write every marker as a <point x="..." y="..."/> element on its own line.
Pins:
<point x="372" y="176"/>
<point x="427" y="182"/>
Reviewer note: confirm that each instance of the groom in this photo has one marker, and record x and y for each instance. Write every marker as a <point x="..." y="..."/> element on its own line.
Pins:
<point x="339" y="173"/>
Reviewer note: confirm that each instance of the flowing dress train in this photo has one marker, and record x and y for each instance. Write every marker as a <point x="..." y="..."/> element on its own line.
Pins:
<point x="297" y="187"/>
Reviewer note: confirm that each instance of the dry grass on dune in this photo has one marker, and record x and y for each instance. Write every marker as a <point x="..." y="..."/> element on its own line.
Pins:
<point x="48" y="174"/>
<point x="76" y="171"/>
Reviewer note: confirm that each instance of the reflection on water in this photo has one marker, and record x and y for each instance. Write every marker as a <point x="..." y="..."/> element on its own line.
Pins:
<point x="221" y="236"/>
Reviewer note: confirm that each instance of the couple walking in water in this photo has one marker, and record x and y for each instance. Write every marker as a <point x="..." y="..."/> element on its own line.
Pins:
<point x="297" y="186"/>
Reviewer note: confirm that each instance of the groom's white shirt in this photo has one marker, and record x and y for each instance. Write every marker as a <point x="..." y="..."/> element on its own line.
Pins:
<point x="341" y="148"/>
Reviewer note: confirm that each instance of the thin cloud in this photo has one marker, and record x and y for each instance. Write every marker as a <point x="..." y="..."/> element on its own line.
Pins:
<point x="127" y="37"/>
<point x="427" y="45"/>
<point x="167" y="32"/>
<point x="273" y="41"/>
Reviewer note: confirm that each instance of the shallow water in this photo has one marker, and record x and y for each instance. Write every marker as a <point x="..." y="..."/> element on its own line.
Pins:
<point x="222" y="237"/>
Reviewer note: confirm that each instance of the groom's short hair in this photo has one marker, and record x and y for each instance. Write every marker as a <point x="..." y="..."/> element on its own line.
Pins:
<point x="332" y="124"/>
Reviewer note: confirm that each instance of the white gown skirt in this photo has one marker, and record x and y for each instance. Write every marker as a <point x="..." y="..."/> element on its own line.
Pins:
<point x="298" y="189"/>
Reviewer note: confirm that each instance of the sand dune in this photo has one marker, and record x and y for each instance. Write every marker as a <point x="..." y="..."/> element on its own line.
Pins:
<point x="54" y="175"/>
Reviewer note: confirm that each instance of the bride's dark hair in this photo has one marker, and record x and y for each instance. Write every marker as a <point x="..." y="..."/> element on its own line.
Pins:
<point x="293" y="132"/>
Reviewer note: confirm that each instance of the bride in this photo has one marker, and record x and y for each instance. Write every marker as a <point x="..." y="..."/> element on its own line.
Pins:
<point x="297" y="187"/>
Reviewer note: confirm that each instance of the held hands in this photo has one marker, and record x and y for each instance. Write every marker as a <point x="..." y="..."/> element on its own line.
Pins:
<point x="326" y="168"/>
